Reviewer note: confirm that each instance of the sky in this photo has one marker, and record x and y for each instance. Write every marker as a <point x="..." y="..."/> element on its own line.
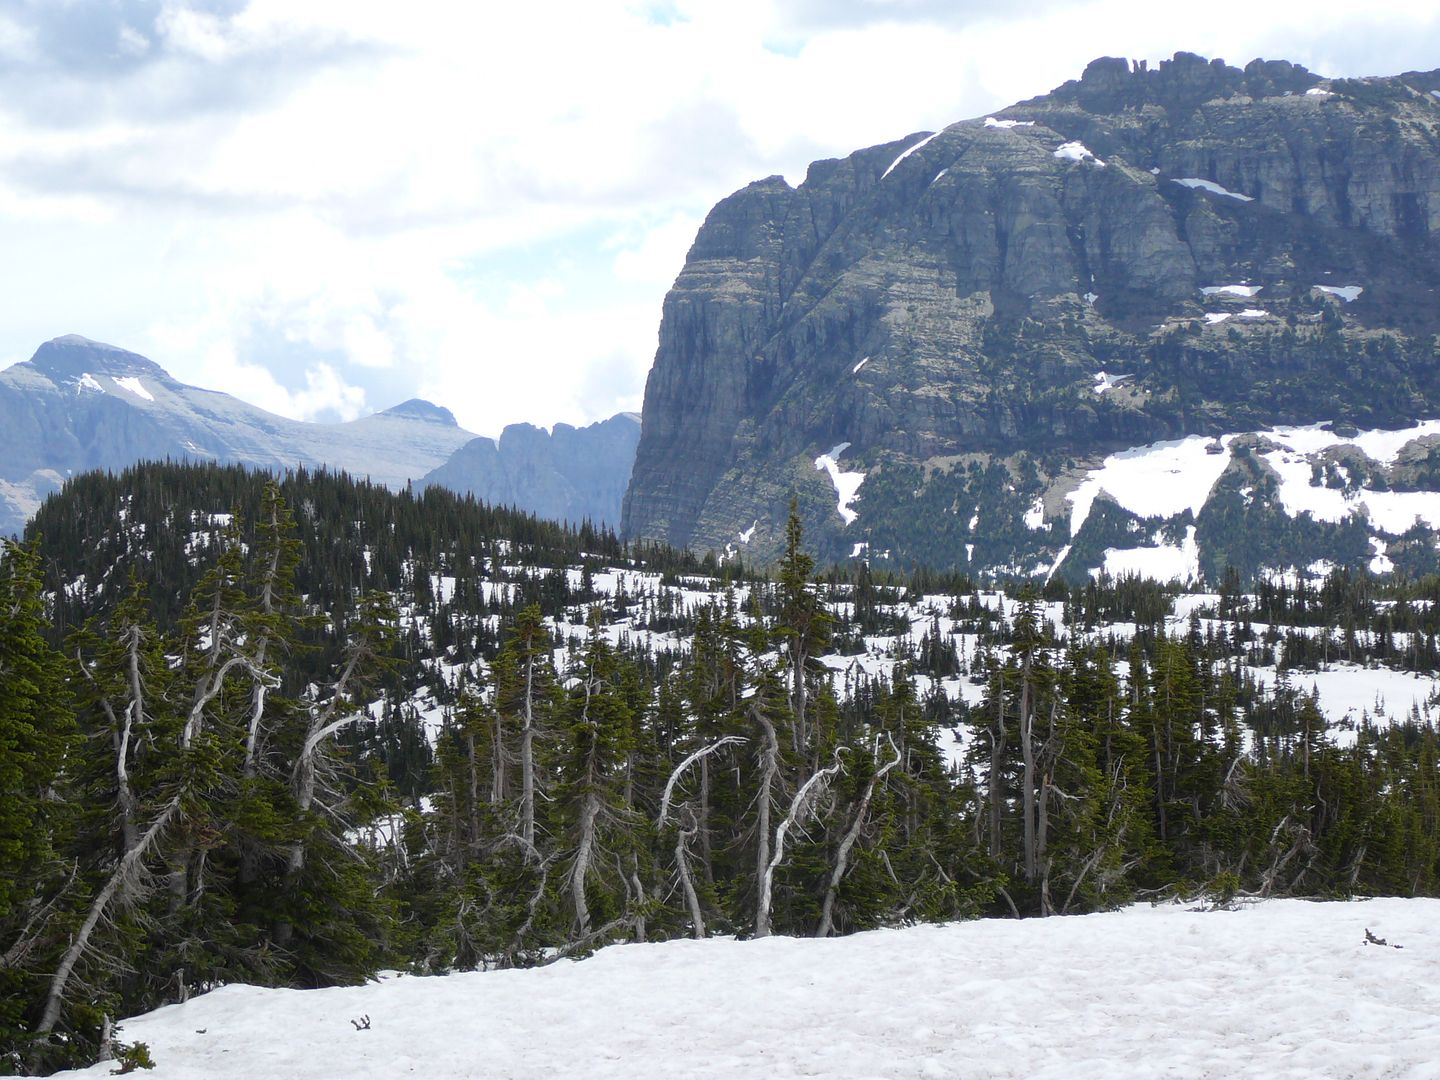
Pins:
<point x="329" y="206"/>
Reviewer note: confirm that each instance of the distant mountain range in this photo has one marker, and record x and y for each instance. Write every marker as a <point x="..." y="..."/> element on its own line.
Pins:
<point x="951" y="346"/>
<point x="79" y="405"/>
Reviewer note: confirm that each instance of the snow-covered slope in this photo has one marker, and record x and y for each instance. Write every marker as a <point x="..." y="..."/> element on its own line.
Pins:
<point x="80" y="404"/>
<point x="1280" y="989"/>
<point x="1382" y="481"/>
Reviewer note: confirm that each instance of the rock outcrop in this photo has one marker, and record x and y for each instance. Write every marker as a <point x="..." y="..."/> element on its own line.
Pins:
<point x="568" y="474"/>
<point x="1139" y="255"/>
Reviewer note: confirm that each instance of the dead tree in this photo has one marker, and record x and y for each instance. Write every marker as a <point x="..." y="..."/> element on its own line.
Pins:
<point x="799" y="809"/>
<point x="842" y="857"/>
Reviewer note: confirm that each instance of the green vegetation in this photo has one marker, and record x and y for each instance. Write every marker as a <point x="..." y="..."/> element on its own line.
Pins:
<point x="340" y="729"/>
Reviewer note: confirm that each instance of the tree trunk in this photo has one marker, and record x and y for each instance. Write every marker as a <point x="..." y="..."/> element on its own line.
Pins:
<point x="692" y="900"/>
<point x="842" y="857"/>
<point x="798" y="809"/>
<point x="770" y="757"/>
<point x="589" y="812"/>
<point x="1027" y="793"/>
<point x="997" y="748"/>
<point x="124" y="869"/>
<point x="527" y="759"/>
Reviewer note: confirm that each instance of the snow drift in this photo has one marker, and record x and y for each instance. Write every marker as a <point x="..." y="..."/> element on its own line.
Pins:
<point x="1285" y="988"/>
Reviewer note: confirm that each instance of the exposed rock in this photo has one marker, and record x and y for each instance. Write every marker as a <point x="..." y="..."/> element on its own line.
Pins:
<point x="958" y="294"/>
<point x="569" y="474"/>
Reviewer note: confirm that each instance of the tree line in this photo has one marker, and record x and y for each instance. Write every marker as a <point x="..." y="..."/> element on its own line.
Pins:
<point x="235" y="787"/>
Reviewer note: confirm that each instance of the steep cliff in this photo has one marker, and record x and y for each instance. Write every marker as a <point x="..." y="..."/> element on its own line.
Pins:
<point x="972" y="319"/>
<point x="569" y="474"/>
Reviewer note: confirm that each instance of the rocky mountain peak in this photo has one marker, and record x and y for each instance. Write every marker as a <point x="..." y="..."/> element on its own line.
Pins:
<point x="944" y="330"/>
<point x="73" y="356"/>
<point x="1111" y="84"/>
<point x="419" y="409"/>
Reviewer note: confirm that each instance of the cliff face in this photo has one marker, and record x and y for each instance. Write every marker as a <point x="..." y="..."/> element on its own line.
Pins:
<point x="569" y="474"/>
<point x="1139" y="255"/>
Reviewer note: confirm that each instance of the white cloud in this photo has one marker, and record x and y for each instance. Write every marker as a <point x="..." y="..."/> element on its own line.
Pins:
<point x="485" y="204"/>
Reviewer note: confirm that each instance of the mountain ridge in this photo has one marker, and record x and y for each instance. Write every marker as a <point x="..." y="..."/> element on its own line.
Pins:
<point x="985" y="312"/>
<point x="80" y="404"/>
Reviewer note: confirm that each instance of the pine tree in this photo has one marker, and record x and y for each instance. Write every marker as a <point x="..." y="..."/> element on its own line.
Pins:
<point x="36" y="735"/>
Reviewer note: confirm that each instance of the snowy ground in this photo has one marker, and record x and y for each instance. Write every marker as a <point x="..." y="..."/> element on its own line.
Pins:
<point x="1282" y="989"/>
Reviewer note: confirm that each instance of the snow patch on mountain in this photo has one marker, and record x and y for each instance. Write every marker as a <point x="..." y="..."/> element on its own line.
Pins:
<point x="847" y="484"/>
<point x="1194" y="182"/>
<point x="1077" y="151"/>
<point x="135" y="386"/>
<point x="906" y="153"/>
<point x="1231" y="290"/>
<point x="1347" y="293"/>
<point x="1162" y="479"/>
<point x="1162" y="562"/>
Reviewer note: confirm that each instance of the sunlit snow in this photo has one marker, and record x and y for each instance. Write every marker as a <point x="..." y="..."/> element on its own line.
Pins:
<point x="1392" y="511"/>
<point x="1164" y="562"/>
<point x="1076" y="151"/>
<point x="1348" y="293"/>
<point x="1105" y="382"/>
<point x="89" y="382"/>
<point x="1254" y="313"/>
<point x="1159" y="480"/>
<point x="1035" y="516"/>
<point x="748" y="533"/>
<point x="1380" y="563"/>
<point x="847" y="484"/>
<point x="1281" y="988"/>
<point x="1213" y="317"/>
<point x="907" y="153"/>
<point x="1212" y="187"/>
<point x="135" y="386"/>
<point x="991" y="122"/>
<point x="1231" y="290"/>
<point x="855" y="370"/>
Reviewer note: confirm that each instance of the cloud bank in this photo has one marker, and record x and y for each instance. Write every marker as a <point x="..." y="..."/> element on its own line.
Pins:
<point x="329" y="206"/>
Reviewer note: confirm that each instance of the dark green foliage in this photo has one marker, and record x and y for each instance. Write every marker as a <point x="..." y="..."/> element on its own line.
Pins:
<point x="322" y="775"/>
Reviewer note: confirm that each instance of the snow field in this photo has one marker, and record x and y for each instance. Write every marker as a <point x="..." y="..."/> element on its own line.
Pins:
<point x="1159" y="480"/>
<point x="1280" y="989"/>
<point x="1163" y="562"/>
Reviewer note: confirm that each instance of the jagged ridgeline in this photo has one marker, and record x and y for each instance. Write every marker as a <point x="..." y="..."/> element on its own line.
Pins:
<point x="940" y="342"/>
<point x="299" y="731"/>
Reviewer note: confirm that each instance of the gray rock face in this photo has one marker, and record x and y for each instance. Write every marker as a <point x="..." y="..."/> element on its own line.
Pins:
<point x="79" y="405"/>
<point x="570" y="474"/>
<point x="947" y="301"/>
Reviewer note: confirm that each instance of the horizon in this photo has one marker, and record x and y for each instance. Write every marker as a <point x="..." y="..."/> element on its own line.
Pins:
<point x="324" y="207"/>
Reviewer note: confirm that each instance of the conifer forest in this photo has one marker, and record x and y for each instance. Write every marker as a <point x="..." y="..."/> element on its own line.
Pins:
<point x="292" y="732"/>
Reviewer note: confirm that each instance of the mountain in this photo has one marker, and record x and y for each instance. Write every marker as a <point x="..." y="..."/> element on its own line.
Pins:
<point x="938" y="343"/>
<point x="569" y="474"/>
<point x="78" y="405"/>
